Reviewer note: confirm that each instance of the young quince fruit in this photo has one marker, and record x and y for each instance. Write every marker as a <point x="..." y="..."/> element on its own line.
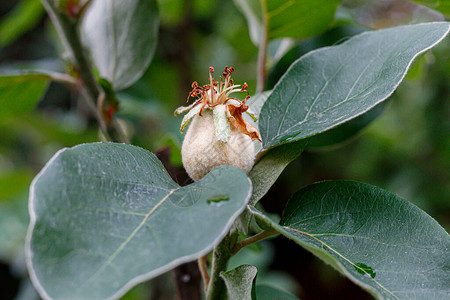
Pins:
<point x="218" y="134"/>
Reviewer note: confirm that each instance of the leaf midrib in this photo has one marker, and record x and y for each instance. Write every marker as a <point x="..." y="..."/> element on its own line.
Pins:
<point x="342" y="256"/>
<point x="278" y="135"/>
<point x="125" y="243"/>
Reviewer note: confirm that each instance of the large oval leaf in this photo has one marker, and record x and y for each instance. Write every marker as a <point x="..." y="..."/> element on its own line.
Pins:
<point x="332" y="85"/>
<point x="346" y="132"/>
<point x="121" y="36"/>
<point x="107" y="216"/>
<point x="380" y="241"/>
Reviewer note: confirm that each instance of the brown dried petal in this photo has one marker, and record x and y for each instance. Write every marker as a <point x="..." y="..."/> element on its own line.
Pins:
<point x="235" y="116"/>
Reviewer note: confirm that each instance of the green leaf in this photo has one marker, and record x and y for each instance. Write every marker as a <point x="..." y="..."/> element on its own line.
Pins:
<point x="13" y="212"/>
<point x="299" y="18"/>
<point x="107" y="216"/>
<point x="294" y="19"/>
<point x="240" y="282"/>
<point x="269" y="168"/>
<point x="22" y="18"/>
<point x="21" y="179"/>
<point x="20" y="93"/>
<point x="380" y="241"/>
<point x="190" y="114"/>
<point x="171" y="12"/>
<point x="265" y="292"/>
<point x="121" y="36"/>
<point x="221" y="123"/>
<point x="440" y="5"/>
<point x="343" y="133"/>
<point x="252" y="11"/>
<point x="330" y="86"/>
<point x="266" y="172"/>
<point x="13" y="226"/>
<point x="255" y="103"/>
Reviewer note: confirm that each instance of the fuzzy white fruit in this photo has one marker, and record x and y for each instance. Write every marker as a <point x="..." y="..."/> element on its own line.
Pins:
<point x="202" y="151"/>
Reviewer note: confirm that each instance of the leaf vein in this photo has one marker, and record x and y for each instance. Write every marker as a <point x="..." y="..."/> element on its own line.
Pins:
<point x="125" y="243"/>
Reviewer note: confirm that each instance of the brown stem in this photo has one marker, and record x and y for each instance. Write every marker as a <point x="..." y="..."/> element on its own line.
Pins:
<point x="253" y="239"/>
<point x="63" y="78"/>
<point x="202" y="266"/>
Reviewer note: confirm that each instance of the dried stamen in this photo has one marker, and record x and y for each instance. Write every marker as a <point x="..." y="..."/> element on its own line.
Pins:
<point x="217" y="93"/>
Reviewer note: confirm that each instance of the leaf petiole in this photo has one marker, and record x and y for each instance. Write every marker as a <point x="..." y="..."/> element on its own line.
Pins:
<point x="253" y="239"/>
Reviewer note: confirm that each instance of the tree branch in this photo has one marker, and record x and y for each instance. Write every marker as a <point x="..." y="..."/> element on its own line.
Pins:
<point x="69" y="33"/>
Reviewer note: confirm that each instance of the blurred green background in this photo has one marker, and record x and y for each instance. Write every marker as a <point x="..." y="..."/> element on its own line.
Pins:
<point x="405" y="151"/>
